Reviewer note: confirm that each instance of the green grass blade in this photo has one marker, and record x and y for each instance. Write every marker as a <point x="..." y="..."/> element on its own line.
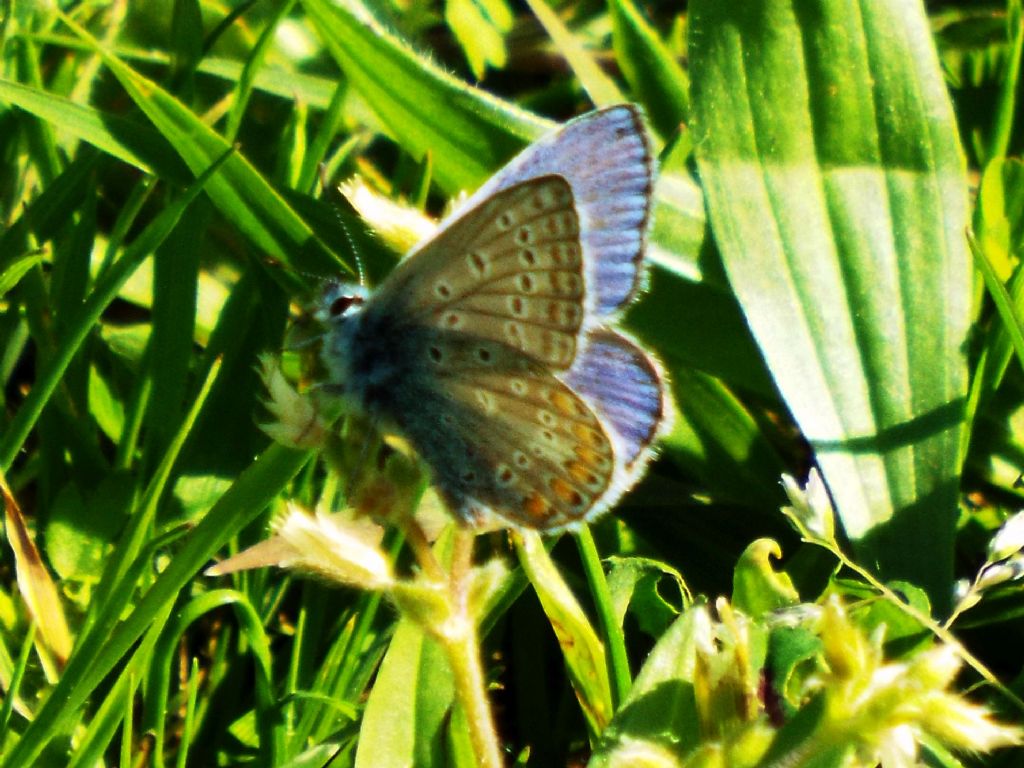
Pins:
<point x="165" y="657"/>
<point x="614" y="638"/>
<point x="717" y="439"/>
<point x="12" y="690"/>
<point x="112" y="711"/>
<point x="469" y="132"/>
<point x="584" y="654"/>
<point x="662" y="705"/>
<point x="115" y="589"/>
<point x="1005" y="304"/>
<point x="836" y="190"/>
<point x="176" y="276"/>
<point x="86" y="317"/>
<point x="43" y="218"/>
<point x="1007" y="105"/>
<point x="124" y="138"/>
<point x="601" y="89"/>
<point x="655" y="77"/>
<point x="239" y="191"/>
<point x="253" y="64"/>
<point x="17" y="269"/>
<point x="242" y="503"/>
<point x="696" y="324"/>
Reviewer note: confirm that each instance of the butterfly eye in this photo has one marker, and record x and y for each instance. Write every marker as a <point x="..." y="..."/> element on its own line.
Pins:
<point x="342" y="304"/>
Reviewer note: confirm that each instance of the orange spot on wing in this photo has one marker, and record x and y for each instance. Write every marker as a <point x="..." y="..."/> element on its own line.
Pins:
<point x="563" y="402"/>
<point x="589" y="436"/>
<point x="536" y="507"/>
<point x="565" y="492"/>
<point x="579" y="472"/>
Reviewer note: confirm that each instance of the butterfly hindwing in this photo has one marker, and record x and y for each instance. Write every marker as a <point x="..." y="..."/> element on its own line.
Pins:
<point x="624" y="386"/>
<point x="504" y="436"/>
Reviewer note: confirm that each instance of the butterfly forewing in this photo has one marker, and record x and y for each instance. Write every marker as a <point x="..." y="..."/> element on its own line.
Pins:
<point x="606" y="158"/>
<point x="623" y="385"/>
<point x="508" y="271"/>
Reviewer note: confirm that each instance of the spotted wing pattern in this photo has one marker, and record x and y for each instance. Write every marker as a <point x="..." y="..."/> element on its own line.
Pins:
<point x="606" y="158"/>
<point x="503" y="436"/>
<point x="487" y="348"/>
<point x="509" y="271"/>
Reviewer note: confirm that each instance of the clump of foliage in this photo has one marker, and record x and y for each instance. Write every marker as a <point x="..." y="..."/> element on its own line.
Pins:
<point x="835" y="292"/>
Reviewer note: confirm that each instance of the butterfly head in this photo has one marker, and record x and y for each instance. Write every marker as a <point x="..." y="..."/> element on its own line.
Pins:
<point x="345" y="353"/>
<point x="339" y="303"/>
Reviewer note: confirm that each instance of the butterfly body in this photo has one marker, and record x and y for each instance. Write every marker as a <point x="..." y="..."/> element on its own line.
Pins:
<point x="489" y="347"/>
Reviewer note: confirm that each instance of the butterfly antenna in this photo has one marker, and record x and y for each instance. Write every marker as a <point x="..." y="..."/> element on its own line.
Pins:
<point x="360" y="271"/>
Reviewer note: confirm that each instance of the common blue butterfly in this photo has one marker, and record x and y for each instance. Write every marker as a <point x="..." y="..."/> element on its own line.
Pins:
<point x="489" y="348"/>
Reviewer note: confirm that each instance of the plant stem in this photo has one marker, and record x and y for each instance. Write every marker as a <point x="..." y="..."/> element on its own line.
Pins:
<point x="929" y="623"/>
<point x="417" y="540"/>
<point x="618" y="660"/>
<point x="462" y="645"/>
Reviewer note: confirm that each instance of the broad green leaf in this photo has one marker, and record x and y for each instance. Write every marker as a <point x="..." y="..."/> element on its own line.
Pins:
<point x="788" y="650"/>
<point x="104" y="405"/>
<point x="757" y="588"/>
<point x="836" y="191"/>
<point x="901" y="630"/>
<point x="797" y="737"/>
<point x="635" y="582"/>
<point x="82" y="526"/>
<point x="661" y="709"/>
<point x="412" y="695"/>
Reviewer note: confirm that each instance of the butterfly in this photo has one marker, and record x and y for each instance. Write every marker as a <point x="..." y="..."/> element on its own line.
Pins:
<point x="490" y="346"/>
